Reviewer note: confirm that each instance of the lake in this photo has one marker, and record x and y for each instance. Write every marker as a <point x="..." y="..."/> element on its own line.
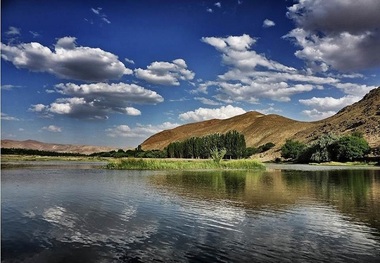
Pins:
<point x="77" y="212"/>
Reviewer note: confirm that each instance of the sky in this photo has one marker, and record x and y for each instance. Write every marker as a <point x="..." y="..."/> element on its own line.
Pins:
<point x="113" y="73"/>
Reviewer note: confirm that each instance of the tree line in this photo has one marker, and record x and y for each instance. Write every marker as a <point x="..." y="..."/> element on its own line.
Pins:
<point x="232" y="142"/>
<point x="329" y="147"/>
<point x="21" y="151"/>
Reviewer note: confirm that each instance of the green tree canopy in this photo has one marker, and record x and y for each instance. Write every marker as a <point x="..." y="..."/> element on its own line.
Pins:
<point x="349" y="148"/>
<point x="292" y="149"/>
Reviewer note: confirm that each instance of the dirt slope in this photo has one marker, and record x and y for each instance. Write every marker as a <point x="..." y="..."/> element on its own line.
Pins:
<point x="258" y="129"/>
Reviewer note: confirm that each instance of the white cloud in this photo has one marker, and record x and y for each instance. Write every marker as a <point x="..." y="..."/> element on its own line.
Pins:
<point x="165" y="73"/>
<point x="130" y="61"/>
<point x="268" y="23"/>
<point x="236" y="53"/>
<point x="112" y="94"/>
<point x="341" y="34"/>
<point x="9" y="87"/>
<point x="132" y="111"/>
<point x="330" y="103"/>
<point x="354" y="89"/>
<point x="207" y="101"/>
<point x="209" y="10"/>
<point x="13" y="31"/>
<point x="140" y="131"/>
<point x="97" y="100"/>
<point x="323" y="107"/>
<point x="37" y="108"/>
<point x="6" y="117"/>
<point x="315" y="114"/>
<point x="218" y="4"/>
<point x="52" y="128"/>
<point x="67" y="60"/>
<point x="251" y="76"/>
<point x="100" y="14"/>
<point x="202" y="114"/>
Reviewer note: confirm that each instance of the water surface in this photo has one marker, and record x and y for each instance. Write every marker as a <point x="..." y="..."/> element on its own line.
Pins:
<point x="86" y="214"/>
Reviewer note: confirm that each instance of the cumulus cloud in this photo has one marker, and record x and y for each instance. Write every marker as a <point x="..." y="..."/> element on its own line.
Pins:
<point x="140" y="131"/>
<point x="252" y="76"/>
<point x="218" y="4"/>
<point x="165" y="73"/>
<point x="52" y="128"/>
<point x="315" y="114"/>
<point x="202" y="114"/>
<point x="323" y="107"/>
<point x="329" y="103"/>
<point x="67" y="60"/>
<point x="268" y="23"/>
<point x="97" y="100"/>
<point x="342" y="34"/>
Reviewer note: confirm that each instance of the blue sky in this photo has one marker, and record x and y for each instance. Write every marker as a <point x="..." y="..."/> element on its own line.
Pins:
<point x="115" y="72"/>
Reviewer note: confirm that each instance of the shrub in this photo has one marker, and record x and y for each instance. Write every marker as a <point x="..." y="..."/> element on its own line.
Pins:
<point x="349" y="148"/>
<point x="292" y="149"/>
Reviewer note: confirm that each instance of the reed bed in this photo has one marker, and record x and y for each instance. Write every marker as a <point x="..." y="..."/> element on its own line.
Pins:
<point x="182" y="164"/>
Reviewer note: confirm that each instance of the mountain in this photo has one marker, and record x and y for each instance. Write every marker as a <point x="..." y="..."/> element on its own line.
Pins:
<point x="362" y="116"/>
<point x="258" y="129"/>
<point x="68" y="148"/>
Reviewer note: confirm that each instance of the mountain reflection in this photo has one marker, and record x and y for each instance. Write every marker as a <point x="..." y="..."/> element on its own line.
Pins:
<point x="355" y="193"/>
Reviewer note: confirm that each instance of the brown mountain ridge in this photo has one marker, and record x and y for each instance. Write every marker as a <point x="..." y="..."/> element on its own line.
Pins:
<point x="53" y="147"/>
<point x="258" y="129"/>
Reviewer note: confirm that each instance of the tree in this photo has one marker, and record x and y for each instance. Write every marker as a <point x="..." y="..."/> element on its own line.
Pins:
<point x="349" y="148"/>
<point x="292" y="149"/>
<point x="322" y="148"/>
<point x="217" y="155"/>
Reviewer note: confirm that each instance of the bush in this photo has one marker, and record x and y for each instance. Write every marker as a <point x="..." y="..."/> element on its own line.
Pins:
<point x="292" y="149"/>
<point x="217" y="155"/>
<point x="349" y="148"/>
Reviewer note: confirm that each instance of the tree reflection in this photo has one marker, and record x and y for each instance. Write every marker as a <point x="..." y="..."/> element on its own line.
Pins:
<point x="353" y="192"/>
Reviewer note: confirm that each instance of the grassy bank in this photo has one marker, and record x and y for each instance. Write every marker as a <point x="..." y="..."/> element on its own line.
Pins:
<point x="182" y="164"/>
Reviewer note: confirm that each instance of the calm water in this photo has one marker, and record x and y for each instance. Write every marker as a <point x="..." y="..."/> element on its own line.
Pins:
<point x="80" y="214"/>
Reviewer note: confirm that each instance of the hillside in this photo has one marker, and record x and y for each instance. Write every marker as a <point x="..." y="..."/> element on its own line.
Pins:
<point x="68" y="148"/>
<point x="362" y="116"/>
<point x="258" y="129"/>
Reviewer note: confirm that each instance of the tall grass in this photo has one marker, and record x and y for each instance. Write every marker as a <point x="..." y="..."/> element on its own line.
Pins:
<point x="183" y="164"/>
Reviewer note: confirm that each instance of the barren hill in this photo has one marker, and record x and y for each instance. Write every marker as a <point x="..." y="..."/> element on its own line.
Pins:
<point x="67" y="148"/>
<point x="362" y="116"/>
<point x="258" y="129"/>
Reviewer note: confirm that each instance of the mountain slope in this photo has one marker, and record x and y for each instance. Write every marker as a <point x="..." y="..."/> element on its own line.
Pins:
<point x="258" y="129"/>
<point x="68" y="148"/>
<point x="362" y="116"/>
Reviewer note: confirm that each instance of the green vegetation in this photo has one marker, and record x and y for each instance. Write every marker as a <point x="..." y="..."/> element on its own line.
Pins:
<point x="170" y="164"/>
<point x="327" y="148"/>
<point x="217" y="155"/>
<point x="17" y="151"/>
<point x="200" y="147"/>
<point x="137" y="153"/>
<point x="292" y="149"/>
